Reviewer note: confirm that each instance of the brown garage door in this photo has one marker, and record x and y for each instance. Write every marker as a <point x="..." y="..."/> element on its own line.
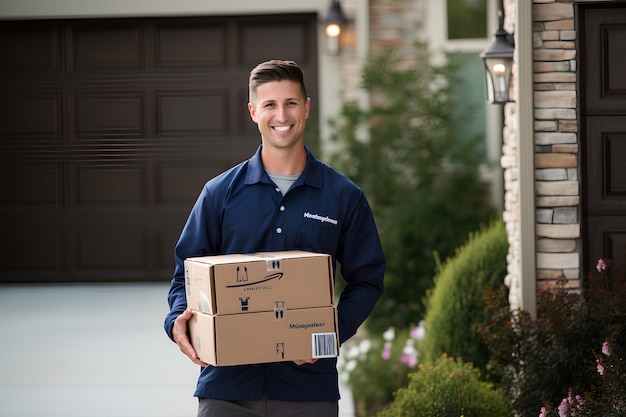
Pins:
<point x="109" y="128"/>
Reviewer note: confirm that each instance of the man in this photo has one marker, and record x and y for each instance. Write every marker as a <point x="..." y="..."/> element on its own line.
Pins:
<point x="283" y="198"/>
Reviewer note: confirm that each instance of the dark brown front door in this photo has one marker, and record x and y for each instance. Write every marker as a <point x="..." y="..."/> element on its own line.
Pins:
<point x="602" y="30"/>
<point x="109" y="128"/>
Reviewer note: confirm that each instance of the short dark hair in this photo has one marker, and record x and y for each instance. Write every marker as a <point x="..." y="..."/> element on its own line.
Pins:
<point x="275" y="70"/>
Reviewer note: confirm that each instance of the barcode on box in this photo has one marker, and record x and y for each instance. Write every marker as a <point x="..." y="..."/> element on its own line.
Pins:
<point x="324" y="345"/>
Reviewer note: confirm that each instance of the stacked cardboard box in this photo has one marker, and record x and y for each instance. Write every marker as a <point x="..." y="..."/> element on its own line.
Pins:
<point x="262" y="307"/>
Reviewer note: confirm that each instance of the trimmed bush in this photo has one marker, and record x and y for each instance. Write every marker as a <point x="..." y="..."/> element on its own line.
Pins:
<point x="447" y="388"/>
<point x="456" y="304"/>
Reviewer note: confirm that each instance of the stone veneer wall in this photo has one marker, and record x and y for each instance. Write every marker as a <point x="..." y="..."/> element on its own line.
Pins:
<point x="393" y="24"/>
<point x="396" y="24"/>
<point x="557" y="184"/>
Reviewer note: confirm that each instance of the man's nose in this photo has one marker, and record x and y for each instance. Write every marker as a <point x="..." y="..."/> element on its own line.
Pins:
<point x="281" y="114"/>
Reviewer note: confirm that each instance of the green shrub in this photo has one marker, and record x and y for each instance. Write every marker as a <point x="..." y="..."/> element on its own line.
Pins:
<point x="447" y="388"/>
<point x="456" y="303"/>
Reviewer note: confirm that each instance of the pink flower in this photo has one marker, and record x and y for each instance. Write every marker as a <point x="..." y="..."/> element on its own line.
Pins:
<point x="563" y="408"/>
<point x="606" y="349"/>
<point x="601" y="265"/>
<point x="407" y="359"/>
<point x="570" y="405"/>
<point x="600" y="367"/>
<point x="386" y="353"/>
<point x="418" y="332"/>
<point x="543" y="412"/>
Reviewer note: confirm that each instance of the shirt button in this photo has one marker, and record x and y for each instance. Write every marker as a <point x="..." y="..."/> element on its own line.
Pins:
<point x="279" y="230"/>
<point x="282" y="208"/>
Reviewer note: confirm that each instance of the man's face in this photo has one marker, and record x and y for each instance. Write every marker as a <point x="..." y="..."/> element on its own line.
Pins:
<point x="280" y="111"/>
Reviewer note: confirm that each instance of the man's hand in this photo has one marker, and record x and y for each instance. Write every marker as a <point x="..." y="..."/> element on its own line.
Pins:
<point x="179" y="333"/>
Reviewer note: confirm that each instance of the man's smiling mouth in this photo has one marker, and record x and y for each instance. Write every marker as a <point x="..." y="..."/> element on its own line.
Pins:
<point x="282" y="128"/>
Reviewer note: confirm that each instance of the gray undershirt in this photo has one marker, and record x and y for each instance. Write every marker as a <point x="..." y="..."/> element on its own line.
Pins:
<point x="282" y="181"/>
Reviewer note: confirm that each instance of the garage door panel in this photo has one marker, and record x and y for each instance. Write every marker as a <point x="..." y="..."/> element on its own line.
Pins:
<point x="111" y="241"/>
<point x="179" y="182"/>
<point x="244" y="122"/>
<point x="31" y="186"/>
<point x="106" y="46"/>
<point x="109" y="115"/>
<point x="32" y="48"/>
<point x="32" y="243"/>
<point x="191" y="112"/>
<point x="165" y="237"/>
<point x="260" y="42"/>
<point x="109" y="185"/>
<point x="205" y="45"/>
<point x="30" y="117"/>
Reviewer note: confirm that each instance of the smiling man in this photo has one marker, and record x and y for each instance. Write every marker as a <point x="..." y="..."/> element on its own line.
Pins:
<point x="282" y="198"/>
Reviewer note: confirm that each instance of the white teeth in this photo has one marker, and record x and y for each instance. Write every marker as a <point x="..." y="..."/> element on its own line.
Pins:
<point x="282" y="128"/>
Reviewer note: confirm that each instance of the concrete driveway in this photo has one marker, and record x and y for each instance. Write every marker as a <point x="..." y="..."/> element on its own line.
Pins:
<point x="94" y="351"/>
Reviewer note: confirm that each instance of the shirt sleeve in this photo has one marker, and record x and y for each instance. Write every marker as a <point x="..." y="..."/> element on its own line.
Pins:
<point x="200" y="236"/>
<point x="362" y="266"/>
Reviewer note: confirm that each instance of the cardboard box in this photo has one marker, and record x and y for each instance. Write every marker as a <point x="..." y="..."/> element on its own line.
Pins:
<point x="264" y="281"/>
<point x="262" y="337"/>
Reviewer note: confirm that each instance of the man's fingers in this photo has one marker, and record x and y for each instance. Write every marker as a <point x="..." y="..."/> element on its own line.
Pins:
<point x="188" y="350"/>
<point x="303" y="361"/>
<point x="179" y="333"/>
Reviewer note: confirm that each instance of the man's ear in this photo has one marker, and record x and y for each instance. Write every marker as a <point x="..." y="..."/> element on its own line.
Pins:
<point x="252" y="112"/>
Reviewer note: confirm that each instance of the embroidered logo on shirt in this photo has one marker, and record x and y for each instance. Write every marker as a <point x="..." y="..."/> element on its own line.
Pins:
<point x="323" y="219"/>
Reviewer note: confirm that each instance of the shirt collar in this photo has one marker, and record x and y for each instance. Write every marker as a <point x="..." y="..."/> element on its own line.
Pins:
<point x="312" y="175"/>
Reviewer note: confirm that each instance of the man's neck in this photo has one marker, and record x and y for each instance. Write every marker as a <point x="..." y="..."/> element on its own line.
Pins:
<point x="288" y="161"/>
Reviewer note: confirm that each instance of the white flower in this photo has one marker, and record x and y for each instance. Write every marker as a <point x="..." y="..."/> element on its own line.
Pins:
<point x="409" y="350"/>
<point x="353" y="352"/>
<point x="390" y="334"/>
<point x="364" y="346"/>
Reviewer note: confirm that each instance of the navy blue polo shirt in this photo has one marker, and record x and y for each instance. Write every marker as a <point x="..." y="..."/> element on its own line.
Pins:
<point x="243" y="211"/>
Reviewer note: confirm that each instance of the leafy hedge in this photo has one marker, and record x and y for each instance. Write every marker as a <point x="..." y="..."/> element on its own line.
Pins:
<point x="456" y="304"/>
<point x="447" y="388"/>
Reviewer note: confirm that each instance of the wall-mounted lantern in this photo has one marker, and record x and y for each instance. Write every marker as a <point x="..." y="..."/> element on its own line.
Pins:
<point x="498" y="58"/>
<point x="333" y="23"/>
